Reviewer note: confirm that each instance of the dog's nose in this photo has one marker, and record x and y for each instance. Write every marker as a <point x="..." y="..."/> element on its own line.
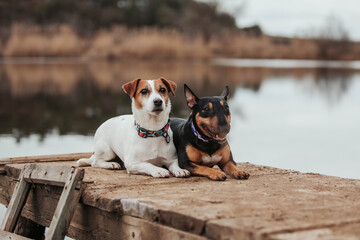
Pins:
<point x="223" y="129"/>
<point x="158" y="102"/>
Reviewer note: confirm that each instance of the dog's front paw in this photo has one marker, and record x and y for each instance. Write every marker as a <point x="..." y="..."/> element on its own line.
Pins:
<point x="231" y="169"/>
<point x="114" y="165"/>
<point x="161" y="173"/>
<point x="180" y="173"/>
<point x="239" y="174"/>
<point x="217" y="175"/>
<point x="107" y="165"/>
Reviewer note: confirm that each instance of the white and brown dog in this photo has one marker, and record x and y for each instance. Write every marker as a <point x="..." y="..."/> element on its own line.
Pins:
<point x="144" y="140"/>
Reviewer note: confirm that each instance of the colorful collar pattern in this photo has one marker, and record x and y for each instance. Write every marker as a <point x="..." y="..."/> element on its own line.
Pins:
<point x="200" y="136"/>
<point x="144" y="133"/>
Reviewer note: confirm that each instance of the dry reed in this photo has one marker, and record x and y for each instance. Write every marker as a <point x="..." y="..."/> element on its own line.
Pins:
<point x="33" y="41"/>
<point x="240" y="46"/>
<point x="146" y="43"/>
<point x="120" y="42"/>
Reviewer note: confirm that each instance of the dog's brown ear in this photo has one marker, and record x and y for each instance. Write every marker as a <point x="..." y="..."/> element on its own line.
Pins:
<point x="130" y="87"/>
<point x="225" y="93"/>
<point x="171" y="86"/>
<point x="191" y="98"/>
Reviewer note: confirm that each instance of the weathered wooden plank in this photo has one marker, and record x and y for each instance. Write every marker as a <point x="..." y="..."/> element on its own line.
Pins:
<point x="16" y="205"/>
<point x="43" y="158"/>
<point x="349" y="231"/>
<point x="11" y="236"/>
<point x="220" y="210"/>
<point x="93" y="223"/>
<point x="66" y="205"/>
<point x="52" y="175"/>
<point x="47" y="174"/>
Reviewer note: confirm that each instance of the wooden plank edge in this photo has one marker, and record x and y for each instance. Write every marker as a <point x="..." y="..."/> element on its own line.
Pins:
<point x="45" y="158"/>
<point x="42" y="159"/>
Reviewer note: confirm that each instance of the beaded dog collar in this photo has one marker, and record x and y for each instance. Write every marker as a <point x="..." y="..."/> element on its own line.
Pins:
<point x="144" y="133"/>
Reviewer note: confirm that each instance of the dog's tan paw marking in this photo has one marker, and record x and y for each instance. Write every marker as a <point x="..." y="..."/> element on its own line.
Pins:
<point x="181" y="173"/>
<point x="241" y="174"/>
<point x="217" y="175"/>
<point x="162" y="173"/>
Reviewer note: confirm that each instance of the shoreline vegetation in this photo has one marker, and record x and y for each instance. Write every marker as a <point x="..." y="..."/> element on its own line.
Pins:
<point x="147" y="43"/>
<point x="156" y="29"/>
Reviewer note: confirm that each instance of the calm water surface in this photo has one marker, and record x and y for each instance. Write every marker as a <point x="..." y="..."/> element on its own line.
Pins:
<point x="297" y="117"/>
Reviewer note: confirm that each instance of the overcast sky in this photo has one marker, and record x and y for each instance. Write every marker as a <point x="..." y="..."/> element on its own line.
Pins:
<point x="293" y="17"/>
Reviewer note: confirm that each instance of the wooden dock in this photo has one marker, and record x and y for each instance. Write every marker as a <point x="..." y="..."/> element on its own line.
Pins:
<point x="272" y="204"/>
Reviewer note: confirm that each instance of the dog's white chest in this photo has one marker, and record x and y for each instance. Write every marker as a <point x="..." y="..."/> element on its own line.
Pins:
<point x="211" y="160"/>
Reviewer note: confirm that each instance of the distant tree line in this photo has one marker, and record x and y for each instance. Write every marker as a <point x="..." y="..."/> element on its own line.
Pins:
<point x="188" y="16"/>
<point x="332" y="39"/>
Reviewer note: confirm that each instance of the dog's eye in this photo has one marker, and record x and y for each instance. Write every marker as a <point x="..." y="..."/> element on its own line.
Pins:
<point x="162" y="90"/>
<point x="207" y="109"/>
<point x="226" y="106"/>
<point x="144" y="91"/>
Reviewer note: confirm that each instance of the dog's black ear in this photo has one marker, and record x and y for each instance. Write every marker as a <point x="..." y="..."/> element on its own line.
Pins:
<point x="225" y="93"/>
<point x="191" y="98"/>
<point x="130" y="87"/>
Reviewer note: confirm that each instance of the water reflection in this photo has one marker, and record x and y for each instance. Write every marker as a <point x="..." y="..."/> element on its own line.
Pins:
<point x="285" y="128"/>
<point x="332" y="83"/>
<point x="76" y="98"/>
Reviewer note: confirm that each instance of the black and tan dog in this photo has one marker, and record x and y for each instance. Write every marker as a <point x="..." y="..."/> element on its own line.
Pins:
<point x="201" y="140"/>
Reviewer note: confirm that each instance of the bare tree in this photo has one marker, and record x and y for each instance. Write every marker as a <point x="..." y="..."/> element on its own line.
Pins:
<point x="332" y="39"/>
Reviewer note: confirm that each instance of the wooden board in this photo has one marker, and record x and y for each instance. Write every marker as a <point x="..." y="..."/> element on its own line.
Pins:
<point x="31" y="174"/>
<point x="43" y="158"/>
<point x="16" y="205"/>
<point x="66" y="206"/>
<point x="273" y="202"/>
<point x="47" y="174"/>
<point x="92" y="223"/>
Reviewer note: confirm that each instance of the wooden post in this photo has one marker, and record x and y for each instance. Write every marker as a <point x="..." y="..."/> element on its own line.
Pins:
<point x="16" y="204"/>
<point x="66" y="206"/>
<point x="68" y="177"/>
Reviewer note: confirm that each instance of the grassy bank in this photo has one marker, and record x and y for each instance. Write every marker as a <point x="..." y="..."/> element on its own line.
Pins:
<point x="119" y="42"/>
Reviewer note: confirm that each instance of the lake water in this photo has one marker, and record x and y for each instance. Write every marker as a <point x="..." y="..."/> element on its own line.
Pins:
<point x="301" y="115"/>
